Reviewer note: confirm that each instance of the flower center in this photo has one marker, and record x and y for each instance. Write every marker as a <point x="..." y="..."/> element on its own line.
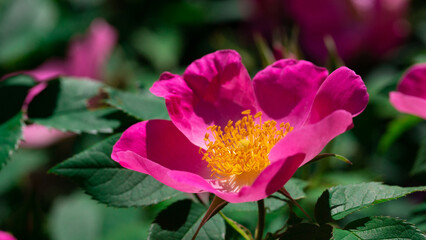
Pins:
<point x="240" y="151"/>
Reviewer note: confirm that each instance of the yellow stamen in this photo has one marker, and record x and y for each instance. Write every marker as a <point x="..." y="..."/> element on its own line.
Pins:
<point x="240" y="150"/>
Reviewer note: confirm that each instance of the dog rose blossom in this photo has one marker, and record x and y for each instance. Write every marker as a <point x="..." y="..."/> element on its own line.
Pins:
<point x="238" y="138"/>
<point x="410" y="96"/>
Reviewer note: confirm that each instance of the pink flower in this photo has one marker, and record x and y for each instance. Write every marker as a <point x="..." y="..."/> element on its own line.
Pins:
<point x="6" y="236"/>
<point x="266" y="15"/>
<point x="86" y="58"/>
<point x="411" y="95"/>
<point x="285" y="117"/>
<point x="358" y="27"/>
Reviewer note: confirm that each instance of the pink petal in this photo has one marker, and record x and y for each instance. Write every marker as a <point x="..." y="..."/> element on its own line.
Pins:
<point x="86" y="57"/>
<point x="213" y="90"/>
<point x="414" y="81"/>
<point x="158" y="144"/>
<point x="408" y="104"/>
<point x="269" y="181"/>
<point x="133" y="161"/>
<point x="6" y="236"/>
<point x="311" y="139"/>
<point x="297" y="148"/>
<point x="343" y="89"/>
<point x="386" y="22"/>
<point x="286" y="89"/>
<point x="358" y="27"/>
<point x="48" y="70"/>
<point x="179" y="102"/>
<point x="333" y="18"/>
<point x="34" y="91"/>
<point x="176" y="166"/>
<point x="38" y="136"/>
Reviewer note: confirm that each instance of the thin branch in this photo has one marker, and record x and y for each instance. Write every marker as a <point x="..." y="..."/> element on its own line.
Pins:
<point x="284" y="192"/>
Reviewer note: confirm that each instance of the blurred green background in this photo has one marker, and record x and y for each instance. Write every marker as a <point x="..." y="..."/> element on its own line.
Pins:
<point x="167" y="35"/>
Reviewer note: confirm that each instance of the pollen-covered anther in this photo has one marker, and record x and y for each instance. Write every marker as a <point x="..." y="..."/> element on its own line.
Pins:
<point x="242" y="148"/>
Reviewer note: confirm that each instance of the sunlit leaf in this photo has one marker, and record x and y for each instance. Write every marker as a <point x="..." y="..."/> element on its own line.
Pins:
<point x="378" y="228"/>
<point x="338" y="202"/>
<point x="64" y="105"/>
<point x="109" y="183"/>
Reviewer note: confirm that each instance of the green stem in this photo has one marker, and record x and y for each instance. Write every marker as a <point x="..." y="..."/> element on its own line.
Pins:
<point x="260" y="220"/>
<point x="266" y="54"/>
<point x="322" y="166"/>
<point x="284" y="192"/>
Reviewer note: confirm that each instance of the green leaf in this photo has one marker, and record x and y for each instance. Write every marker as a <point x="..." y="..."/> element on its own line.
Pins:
<point x="420" y="163"/>
<point x="243" y="231"/>
<point x="378" y="228"/>
<point x="109" y="183"/>
<point x="140" y="106"/>
<point x="13" y="92"/>
<point x="326" y="155"/>
<point x="339" y="234"/>
<point x="64" y="105"/>
<point x="308" y="231"/>
<point x="294" y="186"/>
<point x="323" y="209"/>
<point x="395" y="129"/>
<point x="92" y="122"/>
<point x="10" y="134"/>
<point x="341" y="201"/>
<point x="180" y="221"/>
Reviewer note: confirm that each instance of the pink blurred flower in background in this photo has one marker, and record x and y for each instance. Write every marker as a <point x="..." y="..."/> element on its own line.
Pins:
<point x="410" y="96"/>
<point x="86" y="58"/>
<point x="239" y="139"/>
<point x="86" y="55"/>
<point x="266" y="15"/>
<point x="6" y="236"/>
<point x="358" y="27"/>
